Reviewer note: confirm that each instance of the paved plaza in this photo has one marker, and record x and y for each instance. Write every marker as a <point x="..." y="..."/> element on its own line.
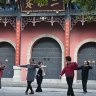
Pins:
<point x="19" y="91"/>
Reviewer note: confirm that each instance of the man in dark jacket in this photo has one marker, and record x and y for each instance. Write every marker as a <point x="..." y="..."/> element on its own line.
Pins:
<point x="84" y="74"/>
<point x="30" y="75"/>
<point x="69" y="72"/>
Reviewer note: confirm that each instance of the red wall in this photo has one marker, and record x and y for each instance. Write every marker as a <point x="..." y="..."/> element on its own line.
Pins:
<point x="80" y="33"/>
<point x="7" y="32"/>
<point x="77" y="34"/>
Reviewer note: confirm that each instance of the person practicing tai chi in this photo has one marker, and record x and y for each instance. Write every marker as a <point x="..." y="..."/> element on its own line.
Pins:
<point x="69" y="73"/>
<point x="84" y="74"/>
<point x="39" y="76"/>
<point x="31" y="73"/>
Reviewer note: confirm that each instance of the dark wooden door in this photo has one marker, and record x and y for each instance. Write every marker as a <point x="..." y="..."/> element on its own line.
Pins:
<point x="7" y="56"/>
<point x="88" y="52"/>
<point x="48" y="51"/>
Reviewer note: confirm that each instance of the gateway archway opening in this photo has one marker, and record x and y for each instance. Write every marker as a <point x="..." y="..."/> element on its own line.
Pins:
<point x="87" y="52"/>
<point x="7" y="56"/>
<point x="48" y="51"/>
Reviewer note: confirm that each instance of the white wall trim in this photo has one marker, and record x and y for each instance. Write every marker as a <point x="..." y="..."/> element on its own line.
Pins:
<point x="8" y="41"/>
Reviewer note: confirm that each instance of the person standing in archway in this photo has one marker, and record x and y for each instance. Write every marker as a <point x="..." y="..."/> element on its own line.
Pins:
<point x="84" y="74"/>
<point x="68" y="70"/>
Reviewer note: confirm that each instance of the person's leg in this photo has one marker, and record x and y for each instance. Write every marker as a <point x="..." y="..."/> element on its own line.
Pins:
<point x="30" y="87"/>
<point x="84" y="84"/>
<point x="70" y="86"/>
<point x="37" y="79"/>
<point x="68" y="83"/>
<point x="39" y="84"/>
<point x="0" y="82"/>
<point x="26" y="92"/>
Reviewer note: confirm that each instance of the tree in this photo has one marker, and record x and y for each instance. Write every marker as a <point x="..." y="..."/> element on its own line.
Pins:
<point x="2" y="1"/>
<point x="89" y="5"/>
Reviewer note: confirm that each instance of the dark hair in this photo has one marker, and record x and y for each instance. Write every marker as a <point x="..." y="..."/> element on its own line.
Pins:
<point x="39" y="63"/>
<point x="68" y="58"/>
<point x="32" y="59"/>
<point x="87" y="63"/>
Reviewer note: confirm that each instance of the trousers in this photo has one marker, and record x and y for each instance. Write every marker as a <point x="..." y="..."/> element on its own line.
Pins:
<point x="70" y="91"/>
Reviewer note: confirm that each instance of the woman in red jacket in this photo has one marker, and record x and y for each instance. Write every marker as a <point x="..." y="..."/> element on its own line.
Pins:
<point x="2" y="66"/>
<point x="69" y="73"/>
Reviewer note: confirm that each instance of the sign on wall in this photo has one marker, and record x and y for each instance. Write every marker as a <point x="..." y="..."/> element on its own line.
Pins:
<point x="28" y="5"/>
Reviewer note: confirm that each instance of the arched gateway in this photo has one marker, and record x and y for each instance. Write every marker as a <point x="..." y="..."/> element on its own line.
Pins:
<point x="7" y="56"/>
<point x="87" y="52"/>
<point x="48" y="50"/>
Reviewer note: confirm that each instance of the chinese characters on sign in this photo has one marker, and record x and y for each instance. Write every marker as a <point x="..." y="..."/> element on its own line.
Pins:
<point x="28" y="5"/>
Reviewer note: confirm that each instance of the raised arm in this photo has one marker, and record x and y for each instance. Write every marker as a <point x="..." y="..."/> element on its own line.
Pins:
<point x="79" y="68"/>
<point x="23" y="66"/>
<point x="75" y="65"/>
<point x="90" y="67"/>
<point x="36" y="66"/>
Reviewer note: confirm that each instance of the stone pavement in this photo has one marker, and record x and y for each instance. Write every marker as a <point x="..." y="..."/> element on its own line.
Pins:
<point x="20" y="91"/>
<point x="48" y="84"/>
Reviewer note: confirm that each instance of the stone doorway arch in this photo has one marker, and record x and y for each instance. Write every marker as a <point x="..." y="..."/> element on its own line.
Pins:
<point x="7" y="56"/>
<point x="48" y="51"/>
<point x="90" y="40"/>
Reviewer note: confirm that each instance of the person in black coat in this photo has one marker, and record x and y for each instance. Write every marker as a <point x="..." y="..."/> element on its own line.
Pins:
<point x="84" y="74"/>
<point x="39" y="76"/>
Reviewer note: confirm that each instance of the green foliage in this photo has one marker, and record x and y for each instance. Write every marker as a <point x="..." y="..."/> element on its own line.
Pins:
<point x="2" y="1"/>
<point x="41" y="2"/>
<point x="87" y="4"/>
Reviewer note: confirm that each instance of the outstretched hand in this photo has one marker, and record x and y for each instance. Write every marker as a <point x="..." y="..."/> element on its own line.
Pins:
<point x="60" y="76"/>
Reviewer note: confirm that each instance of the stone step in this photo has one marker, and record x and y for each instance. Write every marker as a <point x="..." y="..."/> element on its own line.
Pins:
<point x="47" y="84"/>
